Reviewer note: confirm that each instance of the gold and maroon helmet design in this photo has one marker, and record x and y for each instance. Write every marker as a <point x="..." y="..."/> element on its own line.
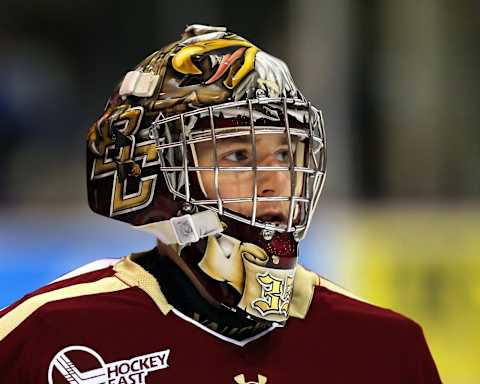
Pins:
<point x="142" y="165"/>
<point x="122" y="173"/>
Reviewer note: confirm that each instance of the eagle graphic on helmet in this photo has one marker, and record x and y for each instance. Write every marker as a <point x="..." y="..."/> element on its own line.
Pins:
<point x="144" y="168"/>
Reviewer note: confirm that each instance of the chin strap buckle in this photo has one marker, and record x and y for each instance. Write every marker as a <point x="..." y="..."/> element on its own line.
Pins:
<point x="185" y="229"/>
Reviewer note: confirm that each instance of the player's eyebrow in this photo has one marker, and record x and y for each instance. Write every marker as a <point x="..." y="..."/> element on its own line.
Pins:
<point x="246" y="139"/>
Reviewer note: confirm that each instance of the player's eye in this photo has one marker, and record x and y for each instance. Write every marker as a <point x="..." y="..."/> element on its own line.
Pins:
<point x="282" y="155"/>
<point x="237" y="156"/>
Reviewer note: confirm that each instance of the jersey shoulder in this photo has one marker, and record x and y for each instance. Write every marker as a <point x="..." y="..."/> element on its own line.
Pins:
<point x="88" y="288"/>
<point x="344" y="308"/>
<point x="92" y="278"/>
<point x="341" y="327"/>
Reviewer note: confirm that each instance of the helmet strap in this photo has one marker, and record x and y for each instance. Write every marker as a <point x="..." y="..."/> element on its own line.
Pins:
<point x="184" y="229"/>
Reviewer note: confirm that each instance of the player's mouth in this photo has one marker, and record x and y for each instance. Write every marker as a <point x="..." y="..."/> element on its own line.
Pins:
<point x="273" y="217"/>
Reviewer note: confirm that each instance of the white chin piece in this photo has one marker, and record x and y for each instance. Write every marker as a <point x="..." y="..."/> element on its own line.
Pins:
<point x="184" y="229"/>
<point x="266" y="292"/>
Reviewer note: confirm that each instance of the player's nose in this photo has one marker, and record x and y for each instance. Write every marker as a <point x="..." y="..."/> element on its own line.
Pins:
<point x="275" y="182"/>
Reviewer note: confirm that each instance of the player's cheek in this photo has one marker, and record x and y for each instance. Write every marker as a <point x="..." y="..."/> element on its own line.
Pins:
<point x="208" y="181"/>
<point x="236" y="184"/>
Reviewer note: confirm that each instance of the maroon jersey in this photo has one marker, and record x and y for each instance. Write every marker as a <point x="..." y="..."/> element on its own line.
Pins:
<point x="114" y="326"/>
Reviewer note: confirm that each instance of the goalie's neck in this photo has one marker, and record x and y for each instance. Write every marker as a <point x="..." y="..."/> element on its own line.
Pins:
<point x="182" y="294"/>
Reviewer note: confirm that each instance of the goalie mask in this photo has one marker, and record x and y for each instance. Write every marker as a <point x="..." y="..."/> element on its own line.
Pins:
<point x="209" y="145"/>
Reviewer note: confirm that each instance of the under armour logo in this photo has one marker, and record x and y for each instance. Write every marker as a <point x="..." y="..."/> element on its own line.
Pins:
<point x="240" y="379"/>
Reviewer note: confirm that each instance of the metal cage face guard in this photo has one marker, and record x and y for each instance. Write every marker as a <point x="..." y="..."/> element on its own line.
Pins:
<point x="209" y="145"/>
<point x="178" y="137"/>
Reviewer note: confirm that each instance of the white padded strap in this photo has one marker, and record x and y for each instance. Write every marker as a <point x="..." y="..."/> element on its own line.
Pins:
<point x="184" y="229"/>
<point x="139" y="84"/>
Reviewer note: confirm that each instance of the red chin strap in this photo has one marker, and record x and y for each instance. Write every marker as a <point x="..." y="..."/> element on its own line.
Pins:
<point x="281" y="245"/>
<point x="282" y="248"/>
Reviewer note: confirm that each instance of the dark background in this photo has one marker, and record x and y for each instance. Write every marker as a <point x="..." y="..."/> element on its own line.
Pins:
<point x="398" y="81"/>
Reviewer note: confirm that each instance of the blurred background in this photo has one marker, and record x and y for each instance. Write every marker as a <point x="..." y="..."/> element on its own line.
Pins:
<point x="399" y="84"/>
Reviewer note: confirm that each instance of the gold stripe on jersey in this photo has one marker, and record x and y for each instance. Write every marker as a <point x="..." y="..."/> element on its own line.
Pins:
<point x="337" y="289"/>
<point x="16" y="316"/>
<point x="134" y="275"/>
<point x="303" y="289"/>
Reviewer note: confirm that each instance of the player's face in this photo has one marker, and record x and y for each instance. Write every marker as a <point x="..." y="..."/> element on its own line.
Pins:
<point x="271" y="150"/>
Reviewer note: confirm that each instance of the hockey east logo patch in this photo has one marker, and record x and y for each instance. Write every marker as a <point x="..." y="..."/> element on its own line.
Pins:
<point x="82" y="365"/>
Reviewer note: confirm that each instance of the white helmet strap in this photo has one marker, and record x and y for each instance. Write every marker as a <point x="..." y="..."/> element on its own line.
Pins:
<point x="185" y="229"/>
